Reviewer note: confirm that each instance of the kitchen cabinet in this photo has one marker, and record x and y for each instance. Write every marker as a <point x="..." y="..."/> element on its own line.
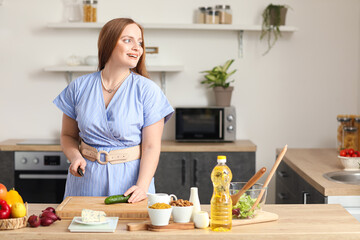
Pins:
<point x="7" y="169"/>
<point x="293" y="189"/>
<point x="177" y="172"/>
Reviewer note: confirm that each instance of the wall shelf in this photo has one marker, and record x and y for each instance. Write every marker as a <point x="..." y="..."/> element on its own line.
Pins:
<point x="174" y="26"/>
<point x="171" y="26"/>
<point x="69" y="70"/>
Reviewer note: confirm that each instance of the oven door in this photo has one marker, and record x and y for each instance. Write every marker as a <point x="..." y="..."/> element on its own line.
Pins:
<point x="199" y="124"/>
<point x="41" y="186"/>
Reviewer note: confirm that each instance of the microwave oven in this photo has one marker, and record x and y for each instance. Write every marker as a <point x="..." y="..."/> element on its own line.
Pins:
<point x="205" y="124"/>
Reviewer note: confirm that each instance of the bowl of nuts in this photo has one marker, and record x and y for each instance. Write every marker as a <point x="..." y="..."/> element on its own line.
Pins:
<point x="182" y="210"/>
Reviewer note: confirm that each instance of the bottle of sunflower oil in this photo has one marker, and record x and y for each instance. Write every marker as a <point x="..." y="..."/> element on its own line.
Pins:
<point x="221" y="205"/>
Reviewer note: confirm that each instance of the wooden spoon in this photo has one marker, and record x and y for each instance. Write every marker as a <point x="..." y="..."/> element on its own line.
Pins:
<point x="249" y="184"/>
<point x="266" y="183"/>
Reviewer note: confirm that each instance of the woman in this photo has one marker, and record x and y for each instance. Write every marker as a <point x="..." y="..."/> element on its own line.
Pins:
<point x="112" y="112"/>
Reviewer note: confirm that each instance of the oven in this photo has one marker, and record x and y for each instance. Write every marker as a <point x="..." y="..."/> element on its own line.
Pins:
<point x="40" y="177"/>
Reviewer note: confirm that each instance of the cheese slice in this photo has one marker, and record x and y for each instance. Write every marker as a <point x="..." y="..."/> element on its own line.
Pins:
<point x="88" y="215"/>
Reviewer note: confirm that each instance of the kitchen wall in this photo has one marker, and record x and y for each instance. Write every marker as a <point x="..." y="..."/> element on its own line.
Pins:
<point x="290" y="96"/>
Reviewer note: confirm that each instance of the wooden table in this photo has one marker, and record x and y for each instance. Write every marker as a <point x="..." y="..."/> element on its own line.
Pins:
<point x="295" y="222"/>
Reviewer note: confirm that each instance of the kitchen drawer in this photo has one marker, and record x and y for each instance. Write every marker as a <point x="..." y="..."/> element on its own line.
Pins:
<point x="287" y="177"/>
<point x="284" y="195"/>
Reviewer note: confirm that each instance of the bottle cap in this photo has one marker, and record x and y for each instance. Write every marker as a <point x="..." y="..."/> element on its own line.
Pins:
<point x="221" y="159"/>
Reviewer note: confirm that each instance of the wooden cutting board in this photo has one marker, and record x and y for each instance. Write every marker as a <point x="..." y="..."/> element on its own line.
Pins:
<point x="171" y="227"/>
<point x="72" y="207"/>
<point x="259" y="218"/>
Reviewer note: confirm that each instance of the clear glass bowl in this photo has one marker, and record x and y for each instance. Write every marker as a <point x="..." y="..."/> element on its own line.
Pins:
<point x="247" y="200"/>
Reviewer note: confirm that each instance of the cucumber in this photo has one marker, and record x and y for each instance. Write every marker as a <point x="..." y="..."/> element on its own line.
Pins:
<point x="117" y="199"/>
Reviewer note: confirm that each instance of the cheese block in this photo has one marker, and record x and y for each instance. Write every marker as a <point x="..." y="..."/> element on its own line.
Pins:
<point x="88" y="215"/>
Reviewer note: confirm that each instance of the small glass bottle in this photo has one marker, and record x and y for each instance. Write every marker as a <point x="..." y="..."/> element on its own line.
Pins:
<point x="343" y="121"/>
<point x="200" y="15"/>
<point x="225" y="14"/>
<point x="212" y="17"/>
<point x="350" y="138"/>
<point x="357" y="125"/>
<point x="90" y="10"/>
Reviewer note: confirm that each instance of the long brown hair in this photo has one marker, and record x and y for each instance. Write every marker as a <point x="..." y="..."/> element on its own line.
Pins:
<point x="109" y="36"/>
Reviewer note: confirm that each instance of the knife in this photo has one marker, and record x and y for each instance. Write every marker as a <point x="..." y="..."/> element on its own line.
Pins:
<point x="80" y="171"/>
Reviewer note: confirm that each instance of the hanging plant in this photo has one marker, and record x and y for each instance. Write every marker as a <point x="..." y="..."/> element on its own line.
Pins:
<point x="273" y="17"/>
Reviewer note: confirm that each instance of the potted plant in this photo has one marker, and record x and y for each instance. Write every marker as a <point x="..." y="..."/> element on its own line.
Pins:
<point x="217" y="78"/>
<point x="273" y="17"/>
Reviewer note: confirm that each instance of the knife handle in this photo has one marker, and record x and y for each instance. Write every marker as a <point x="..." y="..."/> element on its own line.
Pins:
<point x="80" y="171"/>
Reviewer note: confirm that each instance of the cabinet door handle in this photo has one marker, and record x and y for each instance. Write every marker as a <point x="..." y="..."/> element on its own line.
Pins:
<point x="183" y="171"/>
<point x="283" y="174"/>
<point x="282" y="196"/>
<point x="195" y="172"/>
<point x="305" y="197"/>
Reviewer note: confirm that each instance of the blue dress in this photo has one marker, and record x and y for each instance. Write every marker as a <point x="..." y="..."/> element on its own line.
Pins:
<point x="138" y="103"/>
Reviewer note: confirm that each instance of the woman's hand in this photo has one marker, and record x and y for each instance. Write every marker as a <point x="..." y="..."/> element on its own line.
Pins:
<point x="81" y="162"/>
<point x="138" y="194"/>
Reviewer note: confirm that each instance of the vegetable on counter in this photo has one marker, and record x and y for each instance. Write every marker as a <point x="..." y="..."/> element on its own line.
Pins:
<point x="243" y="206"/>
<point x="13" y="197"/>
<point x="3" y="191"/>
<point x="34" y="221"/>
<point x="117" y="199"/>
<point x="46" y="218"/>
<point x="4" y="210"/>
<point x="349" y="152"/>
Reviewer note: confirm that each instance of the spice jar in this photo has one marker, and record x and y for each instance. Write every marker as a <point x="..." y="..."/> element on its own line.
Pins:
<point x="90" y="10"/>
<point x="357" y="125"/>
<point x="225" y="14"/>
<point x="350" y="137"/>
<point x="212" y="16"/>
<point x="200" y="15"/>
<point x="343" y="121"/>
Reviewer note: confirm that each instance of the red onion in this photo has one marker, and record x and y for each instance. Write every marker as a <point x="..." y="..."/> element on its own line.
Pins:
<point x="51" y="209"/>
<point x="34" y="221"/>
<point x="46" y="221"/>
<point x="51" y="215"/>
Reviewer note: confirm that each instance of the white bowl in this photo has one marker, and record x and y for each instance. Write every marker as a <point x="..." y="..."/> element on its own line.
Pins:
<point x="159" y="217"/>
<point x="182" y="214"/>
<point x="91" y="60"/>
<point x="350" y="163"/>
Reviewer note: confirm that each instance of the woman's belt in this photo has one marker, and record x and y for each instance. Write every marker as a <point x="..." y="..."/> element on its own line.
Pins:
<point x="113" y="157"/>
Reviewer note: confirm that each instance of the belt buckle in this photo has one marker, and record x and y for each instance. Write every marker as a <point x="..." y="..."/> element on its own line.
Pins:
<point x="98" y="157"/>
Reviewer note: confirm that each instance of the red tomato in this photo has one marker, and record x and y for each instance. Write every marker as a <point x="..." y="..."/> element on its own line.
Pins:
<point x="354" y="155"/>
<point x="347" y="155"/>
<point x="351" y="151"/>
<point x="3" y="191"/>
<point x="357" y="152"/>
<point x="343" y="153"/>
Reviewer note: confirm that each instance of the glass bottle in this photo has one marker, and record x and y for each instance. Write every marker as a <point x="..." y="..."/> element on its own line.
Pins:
<point x="212" y="16"/>
<point x="90" y="10"/>
<point x="350" y="137"/>
<point x="225" y="14"/>
<point x="357" y="125"/>
<point x="200" y="15"/>
<point x="72" y="10"/>
<point x="221" y="204"/>
<point x="343" y="121"/>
